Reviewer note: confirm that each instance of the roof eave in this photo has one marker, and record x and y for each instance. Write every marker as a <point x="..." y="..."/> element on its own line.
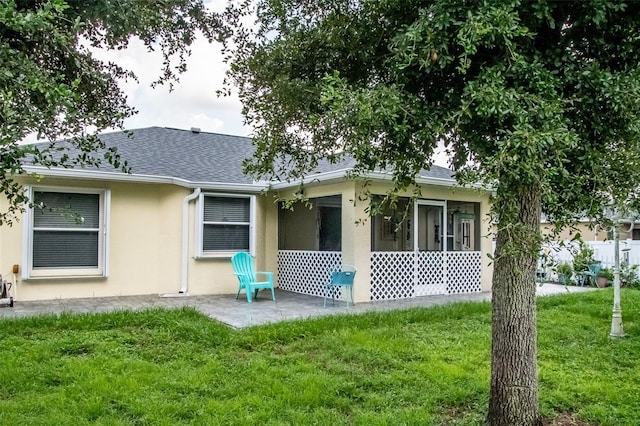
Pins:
<point x="141" y="178"/>
<point x="341" y="174"/>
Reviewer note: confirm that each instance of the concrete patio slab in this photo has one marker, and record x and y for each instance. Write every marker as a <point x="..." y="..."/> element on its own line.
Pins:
<point x="238" y="313"/>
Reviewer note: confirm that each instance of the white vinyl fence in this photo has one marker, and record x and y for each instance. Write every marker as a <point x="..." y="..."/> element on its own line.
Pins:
<point x="602" y="251"/>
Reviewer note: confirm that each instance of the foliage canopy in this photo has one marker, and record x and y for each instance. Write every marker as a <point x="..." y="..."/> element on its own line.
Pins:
<point x="534" y="93"/>
<point x="539" y="99"/>
<point x="51" y="83"/>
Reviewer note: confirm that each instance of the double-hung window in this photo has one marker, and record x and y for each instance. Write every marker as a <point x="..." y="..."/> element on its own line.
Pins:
<point x="66" y="233"/>
<point x="225" y="225"/>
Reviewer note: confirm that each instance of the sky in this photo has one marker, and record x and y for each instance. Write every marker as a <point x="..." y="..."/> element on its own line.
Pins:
<point x="193" y="102"/>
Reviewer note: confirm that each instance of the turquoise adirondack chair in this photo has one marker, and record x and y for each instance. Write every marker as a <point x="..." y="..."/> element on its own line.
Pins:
<point x="243" y="268"/>
<point x="341" y="277"/>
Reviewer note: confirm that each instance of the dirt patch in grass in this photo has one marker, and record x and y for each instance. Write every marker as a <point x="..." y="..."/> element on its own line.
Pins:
<point x="454" y="416"/>
<point x="565" y="419"/>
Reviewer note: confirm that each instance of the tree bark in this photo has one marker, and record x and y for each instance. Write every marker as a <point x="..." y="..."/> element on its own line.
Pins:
<point x="514" y="378"/>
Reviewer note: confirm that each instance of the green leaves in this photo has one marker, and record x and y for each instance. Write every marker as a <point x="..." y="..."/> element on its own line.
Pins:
<point x="51" y="84"/>
<point x="523" y="93"/>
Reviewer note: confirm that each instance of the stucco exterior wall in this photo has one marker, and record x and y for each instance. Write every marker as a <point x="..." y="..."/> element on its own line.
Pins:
<point x="587" y="231"/>
<point x="215" y="275"/>
<point x="144" y="247"/>
<point x="144" y="224"/>
<point x="145" y="240"/>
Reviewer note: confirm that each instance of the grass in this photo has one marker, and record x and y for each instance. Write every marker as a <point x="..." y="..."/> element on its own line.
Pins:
<point x="421" y="366"/>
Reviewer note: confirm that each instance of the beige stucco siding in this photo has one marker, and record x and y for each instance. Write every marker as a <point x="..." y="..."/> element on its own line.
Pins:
<point x="144" y="246"/>
<point x="214" y="275"/>
<point x="588" y="232"/>
<point x="145" y="240"/>
<point x="143" y="235"/>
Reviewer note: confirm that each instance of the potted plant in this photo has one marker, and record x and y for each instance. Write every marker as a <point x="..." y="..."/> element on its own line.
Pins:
<point x="565" y="272"/>
<point x="605" y="277"/>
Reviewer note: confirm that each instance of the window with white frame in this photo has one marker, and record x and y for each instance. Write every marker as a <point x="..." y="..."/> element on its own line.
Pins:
<point x="66" y="233"/>
<point x="226" y="224"/>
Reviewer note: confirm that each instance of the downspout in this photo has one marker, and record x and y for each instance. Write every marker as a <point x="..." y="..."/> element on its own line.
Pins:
<point x="185" y="238"/>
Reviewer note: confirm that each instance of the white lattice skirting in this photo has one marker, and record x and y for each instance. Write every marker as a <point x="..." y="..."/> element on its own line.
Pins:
<point x="394" y="274"/>
<point x="400" y="275"/>
<point x="464" y="272"/>
<point x="306" y="272"/>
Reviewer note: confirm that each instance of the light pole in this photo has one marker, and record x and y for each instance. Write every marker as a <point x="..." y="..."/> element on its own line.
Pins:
<point x="616" y="317"/>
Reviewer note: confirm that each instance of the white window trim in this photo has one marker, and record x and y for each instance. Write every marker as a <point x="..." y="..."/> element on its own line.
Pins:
<point x="199" y="222"/>
<point x="102" y="271"/>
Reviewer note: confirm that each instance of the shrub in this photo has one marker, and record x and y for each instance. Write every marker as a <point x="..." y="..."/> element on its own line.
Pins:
<point x="629" y="276"/>
<point x="565" y="271"/>
<point x="583" y="257"/>
<point x="565" y="268"/>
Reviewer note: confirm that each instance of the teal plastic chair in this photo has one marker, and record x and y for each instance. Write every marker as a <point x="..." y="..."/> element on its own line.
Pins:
<point x="590" y="276"/>
<point x="341" y="277"/>
<point x="594" y="270"/>
<point x="243" y="268"/>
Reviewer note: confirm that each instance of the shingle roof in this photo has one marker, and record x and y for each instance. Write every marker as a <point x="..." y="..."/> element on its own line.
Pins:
<point x="201" y="156"/>
<point x="183" y="154"/>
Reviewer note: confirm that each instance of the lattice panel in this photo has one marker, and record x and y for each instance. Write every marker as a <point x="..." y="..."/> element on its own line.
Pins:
<point x="431" y="273"/>
<point x="464" y="272"/>
<point x="392" y="275"/>
<point x="306" y="272"/>
<point x="401" y="275"/>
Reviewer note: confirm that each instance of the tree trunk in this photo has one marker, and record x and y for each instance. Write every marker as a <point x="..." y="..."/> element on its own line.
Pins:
<point x="514" y="379"/>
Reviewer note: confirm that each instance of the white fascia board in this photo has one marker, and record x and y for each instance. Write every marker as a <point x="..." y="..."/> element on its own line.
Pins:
<point x="341" y="174"/>
<point x="132" y="177"/>
<point x="428" y="180"/>
<point x="319" y="177"/>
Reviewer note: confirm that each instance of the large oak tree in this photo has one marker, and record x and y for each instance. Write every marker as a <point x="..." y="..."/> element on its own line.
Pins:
<point x="52" y="84"/>
<point x="538" y="99"/>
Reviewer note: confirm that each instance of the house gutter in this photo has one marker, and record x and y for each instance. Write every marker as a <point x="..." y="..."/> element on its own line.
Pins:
<point x="185" y="238"/>
<point x="341" y="174"/>
<point x="255" y="187"/>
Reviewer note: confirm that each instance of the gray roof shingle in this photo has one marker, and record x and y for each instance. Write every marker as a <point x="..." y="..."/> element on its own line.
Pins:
<point x="183" y="154"/>
<point x="201" y="156"/>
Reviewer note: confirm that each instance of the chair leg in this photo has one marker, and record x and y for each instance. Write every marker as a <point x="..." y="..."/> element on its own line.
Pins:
<point x="273" y="294"/>
<point x="249" y="291"/>
<point x="256" y="295"/>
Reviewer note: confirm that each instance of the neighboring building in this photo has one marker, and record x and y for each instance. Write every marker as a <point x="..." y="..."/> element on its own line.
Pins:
<point x="172" y="224"/>
<point x="589" y="230"/>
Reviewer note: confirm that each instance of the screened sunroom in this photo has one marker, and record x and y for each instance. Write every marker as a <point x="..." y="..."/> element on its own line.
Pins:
<point x="418" y="248"/>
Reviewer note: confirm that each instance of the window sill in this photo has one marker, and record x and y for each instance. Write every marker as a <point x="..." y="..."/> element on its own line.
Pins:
<point x="221" y="255"/>
<point x="37" y="275"/>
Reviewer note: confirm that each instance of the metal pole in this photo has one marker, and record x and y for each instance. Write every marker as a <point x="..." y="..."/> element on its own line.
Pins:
<point x="616" y="318"/>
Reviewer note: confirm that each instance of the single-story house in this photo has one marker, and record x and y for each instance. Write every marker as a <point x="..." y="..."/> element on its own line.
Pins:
<point x="589" y="230"/>
<point x="171" y="225"/>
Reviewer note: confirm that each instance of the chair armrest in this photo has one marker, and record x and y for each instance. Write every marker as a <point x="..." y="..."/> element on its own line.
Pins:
<point x="269" y="275"/>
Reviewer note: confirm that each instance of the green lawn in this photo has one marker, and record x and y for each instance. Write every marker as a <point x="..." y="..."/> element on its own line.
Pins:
<point x="422" y="366"/>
